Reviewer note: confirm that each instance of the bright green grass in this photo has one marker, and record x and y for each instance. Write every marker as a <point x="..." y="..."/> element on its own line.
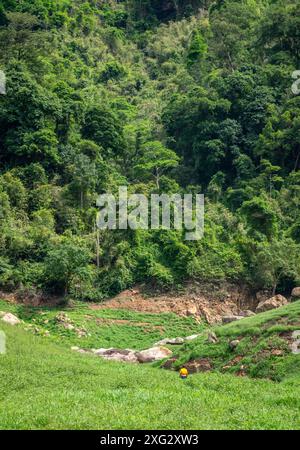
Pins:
<point x="44" y="386"/>
<point x="259" y="337"/>
<point x="138" y="331"/>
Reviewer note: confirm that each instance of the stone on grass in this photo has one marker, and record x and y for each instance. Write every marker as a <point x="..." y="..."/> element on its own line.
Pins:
<point x="153" y="354"/>
<point x="233" y="344"/>
<point x="295" y="346"/>
<point x="10" y="319"/>
<point x="171" y="341"/>
<point x="212" y="338"/>
<point x="192" y="337"/>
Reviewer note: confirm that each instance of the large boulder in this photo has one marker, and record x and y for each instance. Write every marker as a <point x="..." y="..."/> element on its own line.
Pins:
<point x="153" y="354"/>
<point x="114" y="354"/>
<point x="128" y="356"/>
<point x="296" y="292"/>
<point x="10" y="319"/>
<point x="111" y="354"/>
<point x="272" y="303"/>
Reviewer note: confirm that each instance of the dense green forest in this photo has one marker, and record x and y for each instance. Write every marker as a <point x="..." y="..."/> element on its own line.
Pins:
<point x="96" y="90"/>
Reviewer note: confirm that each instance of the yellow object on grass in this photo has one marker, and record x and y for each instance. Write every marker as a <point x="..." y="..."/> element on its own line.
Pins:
<point x="184" y="372"/>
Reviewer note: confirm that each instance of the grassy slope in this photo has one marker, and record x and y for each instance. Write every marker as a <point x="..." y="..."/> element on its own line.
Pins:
<point x="107" y="328"/>
<point x="260" y="338"/>
<point x="44" y="386"/>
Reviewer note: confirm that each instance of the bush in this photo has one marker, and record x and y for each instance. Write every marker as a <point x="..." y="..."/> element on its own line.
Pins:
<point x="67" y="262"/>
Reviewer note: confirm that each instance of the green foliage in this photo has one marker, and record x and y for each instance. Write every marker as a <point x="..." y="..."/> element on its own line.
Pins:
<point x="67" y="265"/>
<point x="151" y="95"/>
<point x="260" y="216"/>
<point x="197" y="49"/>
<point x="156" y="159"/>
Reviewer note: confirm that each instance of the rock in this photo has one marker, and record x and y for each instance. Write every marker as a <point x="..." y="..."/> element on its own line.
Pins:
<point x="233" y="344"/>
<point x="247" y="313"/>
<point x="192" y="337"/>
<point x="129" y="358"/>
<point x="296" y="334"/>
<point x="114" y="354"/>
<point x="296" y="292"/>
<point x="101" y="351"/>
<point x="75" y="349"/>
<point x="295" y="346"/>
<point x="79" y="350"/>
<point x="62" y="318"/>
<point x="207" y="315"/>
<point x="229" y="319"/>
<point x="212" y="338"/>
<point x="81" y="332"/>
<point x="174" y="341"/>
<point x="272" y="303"/>
<point x="277" y="352"/>
<point x="192" y="310"/>
<point x="121" y="355"/>
<point x="68" y="326"/>
<point x="128" y="355"/>
<point x="153" y="354"/>
<point x="10" y="319"/>
<point x="199" y="365"/>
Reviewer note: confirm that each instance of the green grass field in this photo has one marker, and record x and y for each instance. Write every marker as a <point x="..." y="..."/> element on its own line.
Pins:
<point x="44" y="386"/>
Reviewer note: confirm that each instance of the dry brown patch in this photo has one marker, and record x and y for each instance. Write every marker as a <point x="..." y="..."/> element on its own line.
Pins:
<point x="209" y="302"/>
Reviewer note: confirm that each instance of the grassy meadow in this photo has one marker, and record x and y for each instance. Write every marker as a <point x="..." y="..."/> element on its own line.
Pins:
<point x="44" y="385"/>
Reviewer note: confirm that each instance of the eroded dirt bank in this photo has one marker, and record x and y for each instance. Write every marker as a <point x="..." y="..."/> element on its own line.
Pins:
<point x="210" y="302"/>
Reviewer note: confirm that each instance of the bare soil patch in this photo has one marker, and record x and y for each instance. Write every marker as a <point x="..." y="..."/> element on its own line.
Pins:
<point x="204" y="302"/>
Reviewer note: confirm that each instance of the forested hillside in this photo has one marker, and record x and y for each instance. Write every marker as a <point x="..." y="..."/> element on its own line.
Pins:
<point x="102" y="93"/>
